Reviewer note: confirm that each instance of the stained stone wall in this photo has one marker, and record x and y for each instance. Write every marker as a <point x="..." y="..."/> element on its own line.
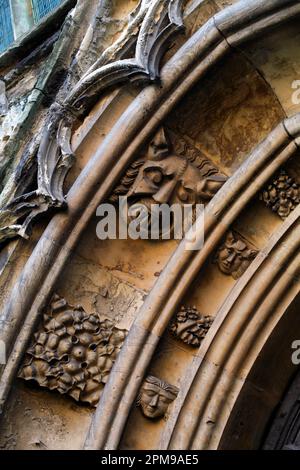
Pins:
<point x="71" y="92"/>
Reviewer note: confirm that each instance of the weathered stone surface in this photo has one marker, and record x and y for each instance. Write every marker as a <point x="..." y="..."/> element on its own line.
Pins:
<point x="220" y="91"/>
<point x="276" y="57"/>
<point x="73" y="352"/>
<point x="228" y="113"/>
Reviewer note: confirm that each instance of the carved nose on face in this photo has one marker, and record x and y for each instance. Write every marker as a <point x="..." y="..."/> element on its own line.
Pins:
<point x="154" y="401"/>
<point x="164" y="194"/>
<point x="141" y="188"/>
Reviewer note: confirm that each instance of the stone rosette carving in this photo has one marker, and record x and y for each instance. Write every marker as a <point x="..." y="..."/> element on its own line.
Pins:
<point x="234" y="255"/>
<point x="155" y="397"/>
<point x="282" y="195"/>
<point x="190" y="326"/>
<point x="73" y="352"/>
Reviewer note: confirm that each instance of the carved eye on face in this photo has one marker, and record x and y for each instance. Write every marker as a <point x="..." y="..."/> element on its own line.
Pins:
<point x="164" y="399"/>
<point x="154" y="175"/>
<point x="150" y="393"/>
<point x="185" y="194"/>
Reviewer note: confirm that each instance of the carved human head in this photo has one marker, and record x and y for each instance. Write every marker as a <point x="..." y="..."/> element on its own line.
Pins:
<point x="155" y="396"/>
<point x="234" y="256"/>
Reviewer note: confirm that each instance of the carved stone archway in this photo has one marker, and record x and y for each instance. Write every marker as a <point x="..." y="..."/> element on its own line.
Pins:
<point x="259" y="302"/>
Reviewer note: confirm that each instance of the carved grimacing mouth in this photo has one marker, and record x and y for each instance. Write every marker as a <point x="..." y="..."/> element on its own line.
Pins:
<point x="146" y="201"/>
<point x="226" y="262"/>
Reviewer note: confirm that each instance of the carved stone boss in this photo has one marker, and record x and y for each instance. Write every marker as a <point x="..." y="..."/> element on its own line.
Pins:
<point x="73" y="352"/>
<point x="282" y="195"/>
<point x="163" y="177"/>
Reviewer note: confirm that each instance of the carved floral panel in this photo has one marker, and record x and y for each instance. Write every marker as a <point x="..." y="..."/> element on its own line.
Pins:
<point x="282" y="195"/>
<point x="72" y="352"/>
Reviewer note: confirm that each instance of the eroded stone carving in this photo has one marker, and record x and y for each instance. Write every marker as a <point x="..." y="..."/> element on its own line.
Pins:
<point x="167" y="178"/>
<point x="234" y="256"/>
<point x="155" y="396"/>
<point x="55" y="158"/>
<point x="282" y="195"/>
<point x="73" y="352"/>
<point x="156" y="21"/>
<point x="163" y="177"/>
<point x="190" y="326"/>
<point x="153" y="23"/>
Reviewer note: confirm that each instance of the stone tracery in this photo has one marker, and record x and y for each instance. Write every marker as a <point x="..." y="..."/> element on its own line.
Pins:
<point x="155" y="396"/>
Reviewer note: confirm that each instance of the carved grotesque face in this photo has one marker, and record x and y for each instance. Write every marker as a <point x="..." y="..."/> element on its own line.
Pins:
<point x="234" y="256"/>
<point x="155" y="397"/>
<point x="166" y="178"/>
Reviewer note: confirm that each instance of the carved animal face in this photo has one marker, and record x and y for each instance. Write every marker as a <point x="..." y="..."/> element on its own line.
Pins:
<point x="234" y="256"/>
<point x="173" y="180"/>
<point x="166" y="178"/>
<point x="154" y="399"/>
